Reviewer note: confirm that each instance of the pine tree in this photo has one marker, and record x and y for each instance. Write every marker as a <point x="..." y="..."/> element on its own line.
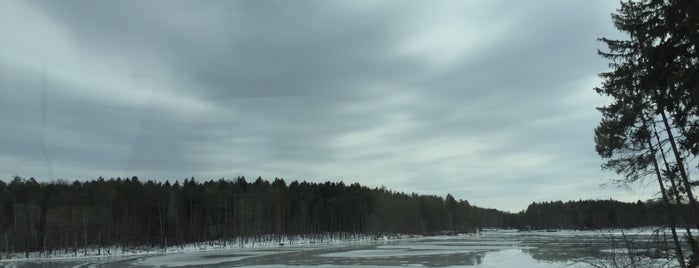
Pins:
<point x="653" y="90"/>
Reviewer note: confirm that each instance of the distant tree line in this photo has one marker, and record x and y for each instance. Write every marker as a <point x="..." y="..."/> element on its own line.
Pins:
<point x="590" y="215"/>
<point x="128" y="213"/>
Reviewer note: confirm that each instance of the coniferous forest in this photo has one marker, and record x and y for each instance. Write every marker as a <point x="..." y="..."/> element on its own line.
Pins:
<point x="591" y="215"/>
<point x="128" y="213"/>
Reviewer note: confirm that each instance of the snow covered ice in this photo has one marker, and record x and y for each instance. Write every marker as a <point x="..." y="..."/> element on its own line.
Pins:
<point x="495" y="248"/>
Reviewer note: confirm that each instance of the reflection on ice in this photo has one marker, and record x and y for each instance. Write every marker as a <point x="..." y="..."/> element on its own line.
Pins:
<point x="510" y="258"/>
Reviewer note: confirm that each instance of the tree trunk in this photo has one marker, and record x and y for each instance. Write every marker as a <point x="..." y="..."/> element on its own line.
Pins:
<point x="84" y="233"/>
<point x="160" y="223"/>
<point x="75" y="234"/>
<point x="668" y="207"/>
<point x="680" y="165"/>
<point x="674" y="189"/>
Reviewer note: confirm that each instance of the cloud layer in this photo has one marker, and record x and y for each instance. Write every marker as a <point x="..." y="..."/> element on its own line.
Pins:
<point x="490" y="101"/>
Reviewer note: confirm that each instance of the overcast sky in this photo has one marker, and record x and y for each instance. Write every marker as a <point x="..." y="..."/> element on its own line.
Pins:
<point x="490" y="101"/>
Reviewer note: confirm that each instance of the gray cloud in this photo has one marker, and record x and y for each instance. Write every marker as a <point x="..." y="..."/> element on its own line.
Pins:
<point x="489" y="101"/>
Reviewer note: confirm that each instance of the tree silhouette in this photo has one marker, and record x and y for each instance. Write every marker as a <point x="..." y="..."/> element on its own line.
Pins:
<point x="654" y="104"/>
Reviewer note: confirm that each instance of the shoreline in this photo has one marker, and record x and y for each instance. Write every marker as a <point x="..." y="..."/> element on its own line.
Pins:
<point x="260" y="242"/>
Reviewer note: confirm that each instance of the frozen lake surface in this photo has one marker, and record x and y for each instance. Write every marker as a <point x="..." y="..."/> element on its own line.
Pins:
<point x="499" y="248"/>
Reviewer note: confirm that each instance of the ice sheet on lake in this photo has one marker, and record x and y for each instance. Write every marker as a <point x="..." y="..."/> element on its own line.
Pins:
<point x="202" y="258"/>
<point x="417" y="249"/>
<point x="382" y="253"/>
<point x="534" y="249"/>
<point x="493" y="259"/>
<point x="514" y="258"/>
<point x="334" y="266"/>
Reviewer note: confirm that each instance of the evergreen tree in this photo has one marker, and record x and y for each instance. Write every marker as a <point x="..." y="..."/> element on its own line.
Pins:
<point x="652" y="90"/>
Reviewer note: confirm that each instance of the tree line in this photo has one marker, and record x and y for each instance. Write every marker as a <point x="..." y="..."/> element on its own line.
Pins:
<point x="651" y="127"/>
<point x="128" y="213"/>
<point x="590" y="215"/>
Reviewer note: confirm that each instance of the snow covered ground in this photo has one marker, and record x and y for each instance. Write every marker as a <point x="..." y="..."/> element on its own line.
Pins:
<point x="238" y="243"/>
<point x="495" y="248"/>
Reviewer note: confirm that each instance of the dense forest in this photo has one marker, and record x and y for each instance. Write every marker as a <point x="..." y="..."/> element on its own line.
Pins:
<point x="591" y="214"/>
<point x="128" y="213"/>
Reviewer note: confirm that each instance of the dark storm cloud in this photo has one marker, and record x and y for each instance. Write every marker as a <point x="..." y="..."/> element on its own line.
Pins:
<point x="482" y="100"/>
<point x="247" y="48"/>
